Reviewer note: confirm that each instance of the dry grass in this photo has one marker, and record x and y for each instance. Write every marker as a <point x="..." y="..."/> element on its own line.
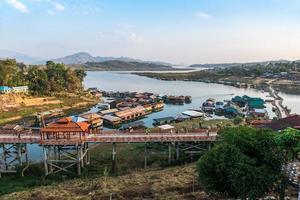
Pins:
<point x="171" y="183"/>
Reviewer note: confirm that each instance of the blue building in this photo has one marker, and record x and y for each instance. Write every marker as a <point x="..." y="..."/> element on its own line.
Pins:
<point x="5" y="89"/>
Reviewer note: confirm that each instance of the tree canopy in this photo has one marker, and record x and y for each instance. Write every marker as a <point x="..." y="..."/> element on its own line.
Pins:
<point x="245" y="164"/>
<point x="54" y="77"/>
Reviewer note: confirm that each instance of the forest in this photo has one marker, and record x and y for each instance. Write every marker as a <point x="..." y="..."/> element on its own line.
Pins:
<point x="41" y="79"/>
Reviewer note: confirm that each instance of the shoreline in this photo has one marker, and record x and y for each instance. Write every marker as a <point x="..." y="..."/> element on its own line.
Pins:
<point x="281" y="110"/>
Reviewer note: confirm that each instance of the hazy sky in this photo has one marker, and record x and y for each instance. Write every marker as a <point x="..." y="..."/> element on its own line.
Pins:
<point x="178" y="31"/>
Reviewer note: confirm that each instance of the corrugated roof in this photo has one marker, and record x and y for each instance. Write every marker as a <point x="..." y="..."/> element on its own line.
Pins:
<point x="66" y="125"/>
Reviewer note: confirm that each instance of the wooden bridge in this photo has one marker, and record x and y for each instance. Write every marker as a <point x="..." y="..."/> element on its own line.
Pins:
<point x="65" y="150"/>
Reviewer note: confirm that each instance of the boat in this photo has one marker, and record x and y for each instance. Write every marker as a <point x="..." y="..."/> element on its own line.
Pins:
<point x="193" y="114"/>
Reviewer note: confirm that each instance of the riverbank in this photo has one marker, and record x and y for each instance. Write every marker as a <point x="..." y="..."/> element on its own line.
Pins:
<point x="25" y="107"/>
<point x="210" y="76"/>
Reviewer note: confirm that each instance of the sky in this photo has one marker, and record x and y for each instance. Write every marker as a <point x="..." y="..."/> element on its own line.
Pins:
<point x="176" y="31"/>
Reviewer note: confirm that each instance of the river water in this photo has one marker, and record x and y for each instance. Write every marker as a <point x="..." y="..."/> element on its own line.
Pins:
<point x="116" y="81"/>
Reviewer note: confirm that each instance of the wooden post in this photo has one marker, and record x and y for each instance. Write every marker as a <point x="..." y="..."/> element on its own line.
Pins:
<point x="81" y="155"/>
<point x="209" y="145"/>
<point x="145" y="155"/>
<point x="45" y="161"/>
<point x="177" y="151"/>
<point x="170" y="152"/>
<point x="19" y="156"/>
<point x="114" y="152"/>
<point x="50" y="157"/>
<point x="78" y="161"/>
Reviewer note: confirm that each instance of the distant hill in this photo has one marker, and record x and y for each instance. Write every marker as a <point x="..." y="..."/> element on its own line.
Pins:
<point x="224" y="65"/>
<point x="18" y="56"/>
<point x="84" y="57"/>
<point x="119" y="65"/>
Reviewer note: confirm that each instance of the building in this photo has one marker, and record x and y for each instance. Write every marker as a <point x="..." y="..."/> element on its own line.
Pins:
<point x="5" y="89"/>
<point x="20" y="89"/>
<point x="163" y="120"/>
<point x="131" y="113"/>
<point x="94" y="119"/>
<point x="158" y="106"/>
<point x="111" y="120"/>
<point x="292" y="121"/>
<point x="65" y="129"/>
<point x="260" y="123"/>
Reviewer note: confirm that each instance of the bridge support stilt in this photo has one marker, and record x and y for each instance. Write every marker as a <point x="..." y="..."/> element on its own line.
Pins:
<point x="177" y="149"/>
<point x="12" y="157"/>
<point x="63" y="158"/>
<point x="170" y="152"/>
<point x="145" y="155"/>
<point x="113" y="156"/>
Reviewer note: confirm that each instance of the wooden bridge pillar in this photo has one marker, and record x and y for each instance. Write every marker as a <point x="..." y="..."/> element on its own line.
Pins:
<point x="169" y="152"/>
<point x="177" y="149"/>
<point x="58" y="158"/>
<point x="145" y="155"/>
<point x="13" y="156"/>
<point x="113" y="156"/>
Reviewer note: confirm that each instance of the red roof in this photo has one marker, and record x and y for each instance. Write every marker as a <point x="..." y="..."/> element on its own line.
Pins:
<point x="292" y="121"/>
<point x="66" y="125"/>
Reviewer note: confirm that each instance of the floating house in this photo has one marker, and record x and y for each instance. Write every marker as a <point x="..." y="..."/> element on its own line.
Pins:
<point x="193" y="114"/>
<point x="109" y="111"/>
<point x="133" y="126"/>
<point x="111" y="120"/>
<point x="158" y="106"/>
<point x="131" y="113"/>
<point x="94" y="119"/>
<point x="259" y="113"/>
<point x="232" y="111"/>
<point x="174" y="99"/>
<point x="163" y="120"/>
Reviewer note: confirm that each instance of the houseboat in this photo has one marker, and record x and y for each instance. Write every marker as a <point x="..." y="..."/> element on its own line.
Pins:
<point x="133" y="126"/>
<point x="163" y="120"/>
<point x="174" y="99"/>
<point x="94" y="119"/>
<point x="131" y="113"/>
<point x="158" y="106"/>
<point x="193" y="114"/>
<point x="110" y="120"/>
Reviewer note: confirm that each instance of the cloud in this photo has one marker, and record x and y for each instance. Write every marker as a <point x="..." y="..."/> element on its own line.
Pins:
<point x="18" y="5"/>
<point x="135" y="38"/>
<point x="203" y="15"/>
<point x="58" y="6"/>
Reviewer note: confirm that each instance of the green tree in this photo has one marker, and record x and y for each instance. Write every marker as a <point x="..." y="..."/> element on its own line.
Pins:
<point x="7" y="71"/>
<point x="289" y="143"/>
<point x="81" y="74"/>
<point x="245" y="164"/>
<point x="38" y="81"/>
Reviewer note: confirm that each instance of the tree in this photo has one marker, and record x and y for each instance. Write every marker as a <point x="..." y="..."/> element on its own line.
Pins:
<point x="38" y="80"/>
<point x="289" y="143"/>
<point x="81" y="74"/>
<point x="7" y="70"/>
<point x="237" y="120"/>
<point x="245" y="164"/>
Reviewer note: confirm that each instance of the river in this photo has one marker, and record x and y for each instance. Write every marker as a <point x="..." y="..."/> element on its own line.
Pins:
<point x="116" y="81"/>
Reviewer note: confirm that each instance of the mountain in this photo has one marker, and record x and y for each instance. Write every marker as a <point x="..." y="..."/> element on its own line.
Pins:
<point x="119" y="65"/>
<point x="84" y="57"/>
<point x="18" y="56"/>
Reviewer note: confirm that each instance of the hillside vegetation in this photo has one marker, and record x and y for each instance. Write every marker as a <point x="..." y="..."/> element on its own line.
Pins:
<point x="171" y="183"/>
<point x="117" y="65"/>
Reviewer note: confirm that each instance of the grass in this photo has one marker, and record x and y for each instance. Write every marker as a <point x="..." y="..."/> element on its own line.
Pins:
<point x="130" y="159"/>
<point x="69" y="103"/>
